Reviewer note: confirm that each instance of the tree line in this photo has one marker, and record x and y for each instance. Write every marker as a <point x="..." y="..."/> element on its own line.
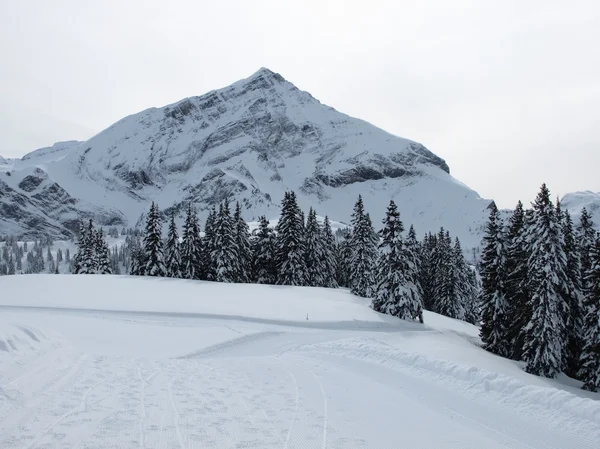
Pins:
<point x="540" y="297"/>
<point x="399" y="274"/>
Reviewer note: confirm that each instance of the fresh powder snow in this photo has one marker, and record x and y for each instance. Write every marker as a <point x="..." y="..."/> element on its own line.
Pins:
<point x="118" y="361"/>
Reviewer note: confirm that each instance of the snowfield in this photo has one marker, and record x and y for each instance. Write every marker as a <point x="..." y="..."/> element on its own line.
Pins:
<point x="117" y="361"/>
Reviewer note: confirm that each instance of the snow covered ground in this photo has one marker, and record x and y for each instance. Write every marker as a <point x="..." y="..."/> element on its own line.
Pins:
<point x="110" y="361"/>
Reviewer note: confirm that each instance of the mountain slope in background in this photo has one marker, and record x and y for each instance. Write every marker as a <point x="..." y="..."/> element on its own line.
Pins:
<point x="249" y="142"/>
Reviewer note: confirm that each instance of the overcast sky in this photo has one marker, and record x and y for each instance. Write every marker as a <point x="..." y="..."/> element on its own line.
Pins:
<point x="508" y="92"/>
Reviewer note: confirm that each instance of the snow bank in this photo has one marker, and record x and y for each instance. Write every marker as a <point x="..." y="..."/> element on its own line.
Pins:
<point x="260" y="303"/>
<point x="558" y="406"/>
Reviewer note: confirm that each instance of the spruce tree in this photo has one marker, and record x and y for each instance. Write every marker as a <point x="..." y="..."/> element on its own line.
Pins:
<point x="265" y="267"/>
<point x="394" y="294"/>
<point x="153" y="244"/>
<point x="11" y="265"/>
<point x="586" y="236"/>
<point x="86" y="254"/>
<point x="314" y="251"/>
<point x="446" y="300"/>
<point x="172" y="255"/>
<point x="103" y="255"/>
<point x="573" y="297"/>
<point x="225" y="252"/>
<point x="244" y="250"/>
<point x="343" y="254"/>
<point x="364" y="252"/>
<point x="208" y="246"/>
<point x="516" y="283"/>
<point x="329" y="256"/>
<point x="494" y="306"/>
<point x="291" y="266"/>
<point x="590" y="355"/>
<point x="427" y="270"/>
<point x="545" y="334"/>
<point x="191" y="247"/>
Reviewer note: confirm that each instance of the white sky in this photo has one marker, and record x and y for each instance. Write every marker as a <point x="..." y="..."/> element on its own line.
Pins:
<point x="508" y="92"/>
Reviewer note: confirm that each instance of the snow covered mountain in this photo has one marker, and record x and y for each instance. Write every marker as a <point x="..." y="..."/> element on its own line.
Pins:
<point x="576" y="201"/>
<point x="250" y="142"/>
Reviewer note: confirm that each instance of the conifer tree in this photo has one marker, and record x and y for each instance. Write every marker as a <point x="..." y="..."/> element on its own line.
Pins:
<point x="545" y="334"/>
<point x="85" y="257"/>
<point x="494" y="306"/>
<point x="19" y="264"/>
<point x="446" y="301"/>
<point x="573" y="297"/>
<point x="244" y="250"/>
<point x="11" y="265"/>
<point x="208" y="246"/>
<point x="226" y="252"/>
<point x="395" y="294"/>
<point x="291" y="266"/>
<point x="153" y="244"/>
<point x="586" y="236"/>
<point x="314" y="251"/>
<point x="329" y="256"/>
<point x="428" y="270"/>
<point x="265" y="268"/>
<point x="103" y="257"/>
<point x="59" y="256"/>
<point x="191" y="247"/>
<point x="364" y="252"/>
<point x="516" y="282"/>
<point x="590" y="355"/>
<point x="343" y="254"/>
<point x="172" y="255"/>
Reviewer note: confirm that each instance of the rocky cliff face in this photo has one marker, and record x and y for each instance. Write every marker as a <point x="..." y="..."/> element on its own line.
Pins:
<point x="248" y="142"/>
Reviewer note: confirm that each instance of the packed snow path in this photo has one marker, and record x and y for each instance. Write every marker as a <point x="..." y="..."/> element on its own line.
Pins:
<point x="75" y="378"/>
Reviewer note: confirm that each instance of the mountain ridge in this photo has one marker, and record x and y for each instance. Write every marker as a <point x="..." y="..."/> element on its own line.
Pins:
<point x="249" y="141"/>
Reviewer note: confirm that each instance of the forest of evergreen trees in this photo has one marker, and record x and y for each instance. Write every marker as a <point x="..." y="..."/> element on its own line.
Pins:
<point x="535" y="292"/>
<point x="540" y="297"/>
<point x="398" y="273"/>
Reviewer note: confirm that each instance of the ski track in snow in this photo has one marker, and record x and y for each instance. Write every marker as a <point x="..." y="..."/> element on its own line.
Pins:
<point x="268" y="386"/>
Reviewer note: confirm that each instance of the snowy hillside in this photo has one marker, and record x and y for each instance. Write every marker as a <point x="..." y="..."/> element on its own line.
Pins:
<point x="96" y="361"/>
<point x="250" y="142"/>
<point x="576" y="201"/>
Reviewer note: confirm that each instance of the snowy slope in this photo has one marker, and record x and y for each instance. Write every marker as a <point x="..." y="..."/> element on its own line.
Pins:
<point x="250" y="142"/>
<point x="92" y="361"/>
<point x="576" y="201"/>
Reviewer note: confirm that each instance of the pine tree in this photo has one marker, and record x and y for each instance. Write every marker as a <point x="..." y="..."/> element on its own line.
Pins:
<point x="244" y="250"/>
<point x="226" y="252"/>
<point x="467" y="293"/>
<point x="364" y="252"/>
<point x="265" y="268"/>
<point x="494" y="306"/>
<point x="191" y="247"/>
<point x="172" y="255"/>
<point x="586" y="236"/>
<point x="103" y="259"/>
<point x="329" y="256"/>
<point x="446" y="301"/>
<point x="590" y="355"/>
<point x="59" y="256"/>
<point x="545" y="334"/>
<point x="208" y="246"/>
<point x="19" y="264"/>
<point x="11" y="265"/>
<point x="85" y="257"/>
<point x="395" y="294"/>
<point x="153" y="244"/>
<point x="291" y="266"/>
<point x="517" y="282"/>
<point x="314" y="251"/>
<point x="343" y="254"/>
<point x="428" y="270"/>
<point x="138" y="260"/>
<point x="573" y="297"/>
